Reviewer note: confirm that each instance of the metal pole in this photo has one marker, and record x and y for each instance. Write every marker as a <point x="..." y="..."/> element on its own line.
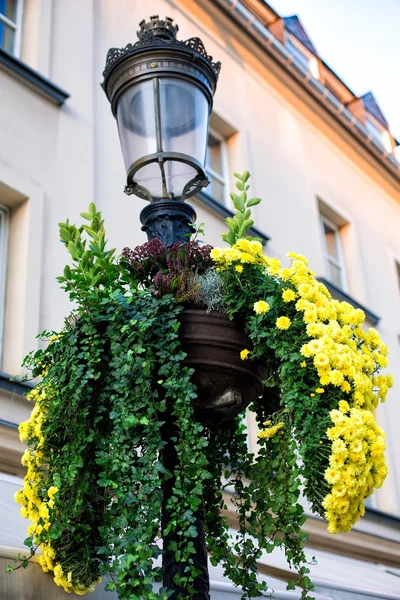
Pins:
<point x="170" y="566"/>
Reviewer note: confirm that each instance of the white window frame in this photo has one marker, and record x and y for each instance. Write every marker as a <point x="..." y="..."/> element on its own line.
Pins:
<point x="4" y="232"/>
<point x="328" y="259"/>
<point x="223" y="179"/>
<point x="17" y="26"/>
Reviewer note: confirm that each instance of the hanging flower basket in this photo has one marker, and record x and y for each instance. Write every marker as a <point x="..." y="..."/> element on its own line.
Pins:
<point x="225" y="383"/>
<point x="186" y="337"/>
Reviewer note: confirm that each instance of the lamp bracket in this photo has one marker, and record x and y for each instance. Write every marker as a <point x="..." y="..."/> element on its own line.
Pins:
<point x="191" y="188"/>
<point x="169" y="221"/>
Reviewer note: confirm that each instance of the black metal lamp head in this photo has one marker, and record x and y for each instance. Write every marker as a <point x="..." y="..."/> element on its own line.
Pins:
<point x="161" y="93"/>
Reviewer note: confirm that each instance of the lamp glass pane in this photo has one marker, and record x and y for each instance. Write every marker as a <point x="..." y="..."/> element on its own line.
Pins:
<point x="183" y="127"/>
<point x="136" y="122"/>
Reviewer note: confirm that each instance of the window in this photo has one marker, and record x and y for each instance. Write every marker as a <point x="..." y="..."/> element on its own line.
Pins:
<point x="374" y="130"/>
<point x="333" y="253"/>
<point x="10" y="25"/>
<point x="3" y="267"/>
<point x="301" y="57"/>
<point x="301" y="54"/>
<point x="217" y="167"/>
<point x="380" y="135"/>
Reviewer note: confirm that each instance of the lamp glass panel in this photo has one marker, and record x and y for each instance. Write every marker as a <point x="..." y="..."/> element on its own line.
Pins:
<point x="183" y="113"/>
<point x="137" y="122"/>
<point x="184" y="129"/>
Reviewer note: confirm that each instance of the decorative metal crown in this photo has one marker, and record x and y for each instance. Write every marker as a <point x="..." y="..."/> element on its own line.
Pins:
<point x="163" y="28"/>
<point x="159" y="32"/>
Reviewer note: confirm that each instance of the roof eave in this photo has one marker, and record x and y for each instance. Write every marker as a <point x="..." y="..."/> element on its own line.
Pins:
<point x="270" y="44"/>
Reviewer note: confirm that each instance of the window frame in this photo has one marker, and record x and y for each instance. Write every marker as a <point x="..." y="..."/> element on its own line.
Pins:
<point x="223" y="179"/>
<point x="4" y="235"/>
<point x="16" y="26"/>
<point x="374" y="130"/>
<point x="302" y="55"/>
<point x="328" y="259"/>
<point x="379" y="133"/>
<point x="293" y="47"/>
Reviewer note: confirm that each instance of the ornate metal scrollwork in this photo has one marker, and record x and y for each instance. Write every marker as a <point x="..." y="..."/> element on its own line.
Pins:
<point x="139" y="190"/>
<point x="168" y="220"/>
<point x="159" y="32"/>
<point x="169" y="229"/>
<point x="194" y="186"/>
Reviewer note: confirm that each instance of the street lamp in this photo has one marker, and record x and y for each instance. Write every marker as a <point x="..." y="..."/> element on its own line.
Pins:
<point x="161" y="93"/>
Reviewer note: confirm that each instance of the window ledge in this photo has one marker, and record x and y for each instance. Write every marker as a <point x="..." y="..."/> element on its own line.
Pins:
<point x="32" y="78"/>
<point x="223" y="211"/>
<point x="383" y="517"/>
<point x="341" y="295"/>
<point x="16" y="387"/>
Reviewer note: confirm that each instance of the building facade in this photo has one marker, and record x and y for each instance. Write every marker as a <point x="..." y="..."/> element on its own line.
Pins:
<point x="321" y="158"/>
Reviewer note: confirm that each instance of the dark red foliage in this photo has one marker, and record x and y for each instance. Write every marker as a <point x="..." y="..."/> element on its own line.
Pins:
<point x="171" y="269"/>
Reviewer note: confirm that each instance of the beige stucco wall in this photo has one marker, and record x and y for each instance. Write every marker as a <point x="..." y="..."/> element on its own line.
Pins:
<point x="55" y="161"/>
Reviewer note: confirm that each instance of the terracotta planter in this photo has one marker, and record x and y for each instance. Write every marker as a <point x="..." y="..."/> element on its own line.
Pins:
<point x="225" y="384"/>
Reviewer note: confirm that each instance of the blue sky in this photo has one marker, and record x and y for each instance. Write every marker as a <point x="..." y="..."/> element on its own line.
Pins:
<point x="360" y="41"/>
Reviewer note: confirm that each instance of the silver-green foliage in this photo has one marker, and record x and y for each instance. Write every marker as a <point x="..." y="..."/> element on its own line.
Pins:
<point x="210" y="293"/>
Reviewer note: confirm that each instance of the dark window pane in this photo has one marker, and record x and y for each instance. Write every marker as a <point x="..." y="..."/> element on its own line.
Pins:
<point x="335" y="274"/>
<point x="216" y="189"/>
<point x="374" y="130"/>
<point x="9" y="9"/>
<point x="7" y="35"/>
<point x="214" y="155"/>
<point x="298" y="54"/>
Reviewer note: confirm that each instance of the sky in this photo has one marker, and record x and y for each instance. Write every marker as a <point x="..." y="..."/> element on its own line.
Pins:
<point x="360" y="41"/>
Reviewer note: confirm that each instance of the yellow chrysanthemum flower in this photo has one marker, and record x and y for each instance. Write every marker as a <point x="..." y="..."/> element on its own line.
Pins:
<point x="244" y="355"/>
<point x="288" y="295"/>
<point x="261" y="307"/>
<point x="271" y="431"/>
<point x="283" y="323"/>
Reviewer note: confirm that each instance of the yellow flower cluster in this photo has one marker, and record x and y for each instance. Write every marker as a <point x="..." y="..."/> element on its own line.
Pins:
<point x="37" y="497"/>
<point x="343" y="353"/>
<point x="348" y="357"/>
<point x="345" y="356"/>
<point x="271" y="431"/>
<point x="245" y="252"/>
<point x="357" y="465"/>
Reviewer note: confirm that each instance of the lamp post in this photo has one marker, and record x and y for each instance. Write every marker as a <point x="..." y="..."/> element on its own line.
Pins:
<point x="161" y="92"/>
